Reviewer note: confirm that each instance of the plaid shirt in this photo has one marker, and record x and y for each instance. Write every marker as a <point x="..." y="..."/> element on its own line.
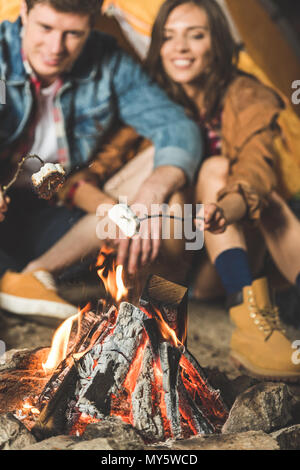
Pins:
<point x="212" y="137"/>
<point x="63" y="154"/>
<point x="23" y="146"/>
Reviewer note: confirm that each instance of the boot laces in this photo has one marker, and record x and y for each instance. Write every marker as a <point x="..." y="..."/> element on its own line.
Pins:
<point x="271" y="319"/>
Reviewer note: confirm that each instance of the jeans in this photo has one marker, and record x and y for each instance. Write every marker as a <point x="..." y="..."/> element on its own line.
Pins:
<point x="30" y="228"/>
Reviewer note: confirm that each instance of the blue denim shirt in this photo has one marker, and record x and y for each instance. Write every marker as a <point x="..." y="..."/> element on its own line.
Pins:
<point x="103" y="84"/>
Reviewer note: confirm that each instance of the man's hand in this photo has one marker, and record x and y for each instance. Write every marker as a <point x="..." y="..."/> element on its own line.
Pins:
<point x="214" y="219"/>
<point x="4" y="201"/>
<point x="144" y="247"/>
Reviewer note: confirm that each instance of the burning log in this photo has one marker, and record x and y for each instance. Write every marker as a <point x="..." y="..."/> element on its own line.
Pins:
<point x="171" y="300"/>
<point x="130" y="362"/>
<point x="55" y="397"/>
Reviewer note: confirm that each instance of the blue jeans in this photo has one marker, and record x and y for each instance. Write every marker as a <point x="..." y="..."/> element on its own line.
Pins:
<point x="30" y="228"/>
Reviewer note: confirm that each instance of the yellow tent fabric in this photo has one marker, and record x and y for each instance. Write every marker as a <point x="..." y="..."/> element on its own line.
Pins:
<point x="140" y="15"/>
<point x="266" y="44"/>
<point x="9" y="9"/>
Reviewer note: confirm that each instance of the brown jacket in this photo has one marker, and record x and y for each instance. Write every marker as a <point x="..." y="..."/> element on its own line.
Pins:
<point x="248" y="129"/>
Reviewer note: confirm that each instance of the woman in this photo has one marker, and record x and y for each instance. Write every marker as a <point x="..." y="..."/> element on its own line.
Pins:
<point x="193" y="57"/>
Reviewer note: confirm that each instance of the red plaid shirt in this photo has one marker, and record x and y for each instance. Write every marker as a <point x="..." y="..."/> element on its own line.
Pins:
<point x="212" y="136"/>
<point x="23" y="146"/>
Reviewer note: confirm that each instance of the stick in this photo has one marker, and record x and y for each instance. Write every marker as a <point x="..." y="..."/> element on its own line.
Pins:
<point x="20" y="164"/>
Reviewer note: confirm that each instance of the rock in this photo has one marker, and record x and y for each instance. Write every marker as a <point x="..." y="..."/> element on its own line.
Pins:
<point x="266" y="407"/>
<point x="102" y="443"/>
<point x="252" y="440"/>
<point x="124" y="435"/>
<point x="288" y="438"/>
<point x="13" y="358"/>
<point x="13" y="433"/>
<point x="295" y="393"/>
<point x="55" y="443"/>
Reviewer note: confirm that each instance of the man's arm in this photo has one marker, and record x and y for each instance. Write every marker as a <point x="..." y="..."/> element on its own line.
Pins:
<point x="144" y="106"/>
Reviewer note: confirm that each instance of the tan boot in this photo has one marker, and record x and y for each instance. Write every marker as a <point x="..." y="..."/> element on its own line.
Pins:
<point x="259" y="343"/>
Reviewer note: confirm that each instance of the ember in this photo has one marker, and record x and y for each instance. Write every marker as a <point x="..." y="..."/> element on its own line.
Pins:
<point x="130" y="362"/>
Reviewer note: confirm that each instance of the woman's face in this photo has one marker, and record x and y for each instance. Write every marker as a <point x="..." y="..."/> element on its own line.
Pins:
<point x="186" y="48"/>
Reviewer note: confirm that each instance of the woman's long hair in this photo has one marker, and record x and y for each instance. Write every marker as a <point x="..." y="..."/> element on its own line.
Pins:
<point x="222" y="66"/>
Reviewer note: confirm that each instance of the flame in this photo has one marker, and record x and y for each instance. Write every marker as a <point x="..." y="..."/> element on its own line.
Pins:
<point x="166" y="331"/>
<point x="60" y="341"/>
<point x="28" y="407"/>
<point x="111" y="275"/>
<point x="59" y="345"/>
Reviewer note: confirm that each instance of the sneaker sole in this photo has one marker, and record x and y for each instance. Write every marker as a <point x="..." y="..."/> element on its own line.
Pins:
<point x="264" y="374"/>
<point x="43" y="308"/>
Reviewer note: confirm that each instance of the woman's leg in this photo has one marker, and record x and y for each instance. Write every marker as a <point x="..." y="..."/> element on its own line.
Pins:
<point x="227" y="251"/>
<point x="212" y="178"/>
<point x="281" y="231"/>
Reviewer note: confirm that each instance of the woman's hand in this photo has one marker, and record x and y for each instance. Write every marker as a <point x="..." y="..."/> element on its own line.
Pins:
<point x="4" y="201"/>
<point x="214" y="218"/>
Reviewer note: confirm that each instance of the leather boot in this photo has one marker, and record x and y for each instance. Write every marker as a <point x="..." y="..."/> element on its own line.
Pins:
<point x="259" y="343"/>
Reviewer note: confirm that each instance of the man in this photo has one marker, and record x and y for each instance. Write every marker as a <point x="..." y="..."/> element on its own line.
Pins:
<point x="65" y="85"/>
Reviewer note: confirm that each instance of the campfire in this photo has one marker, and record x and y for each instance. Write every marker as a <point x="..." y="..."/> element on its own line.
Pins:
<point x="127" y="361"/>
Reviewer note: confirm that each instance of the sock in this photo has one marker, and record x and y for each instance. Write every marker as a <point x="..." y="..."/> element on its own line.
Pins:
<point x="234" y="270"/>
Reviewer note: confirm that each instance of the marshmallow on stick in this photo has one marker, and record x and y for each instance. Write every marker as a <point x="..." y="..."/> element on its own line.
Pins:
<point x="48" y="180"/>
<point x="45" y="182"/>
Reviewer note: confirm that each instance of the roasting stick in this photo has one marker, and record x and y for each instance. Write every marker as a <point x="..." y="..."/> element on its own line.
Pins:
<point x="20" y="164"/>
<point x="124" y="217"/>
<point x="46" y="181"/>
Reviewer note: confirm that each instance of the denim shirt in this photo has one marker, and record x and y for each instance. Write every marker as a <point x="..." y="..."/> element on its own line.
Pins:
<point x="104" y="84"/>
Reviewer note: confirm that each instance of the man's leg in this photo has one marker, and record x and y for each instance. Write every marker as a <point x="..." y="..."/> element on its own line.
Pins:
<point x="73" y="246"/>
<point x="33" y="292"/>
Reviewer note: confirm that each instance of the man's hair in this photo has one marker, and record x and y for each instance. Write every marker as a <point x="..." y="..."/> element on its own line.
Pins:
<point x="88" y="7"/>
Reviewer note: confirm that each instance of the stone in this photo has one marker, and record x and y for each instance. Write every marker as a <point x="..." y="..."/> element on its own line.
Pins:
<point x="115" y="429"/>
<point x="96" y="444"/>
<point x="252" y="440"/>
<point x="288" y="438"/>
<point x="295" y="393"/>
<point x="13" y="433"/>
<point x="102" y="443"/>
<point x="266" y="406"/>
<point x="55" y="443"/>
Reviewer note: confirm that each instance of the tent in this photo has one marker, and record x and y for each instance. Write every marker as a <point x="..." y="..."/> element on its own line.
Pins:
<point x="268" y="55"/>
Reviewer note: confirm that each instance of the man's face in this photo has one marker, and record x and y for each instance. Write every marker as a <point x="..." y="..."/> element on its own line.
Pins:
<point x="52" y="40"/>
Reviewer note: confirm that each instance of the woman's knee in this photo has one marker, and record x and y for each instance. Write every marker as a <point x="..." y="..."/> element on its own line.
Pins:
<point x="212" y="175"/>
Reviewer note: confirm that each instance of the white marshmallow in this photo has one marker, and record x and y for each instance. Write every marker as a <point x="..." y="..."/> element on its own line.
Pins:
<point x="123" y="216"/>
